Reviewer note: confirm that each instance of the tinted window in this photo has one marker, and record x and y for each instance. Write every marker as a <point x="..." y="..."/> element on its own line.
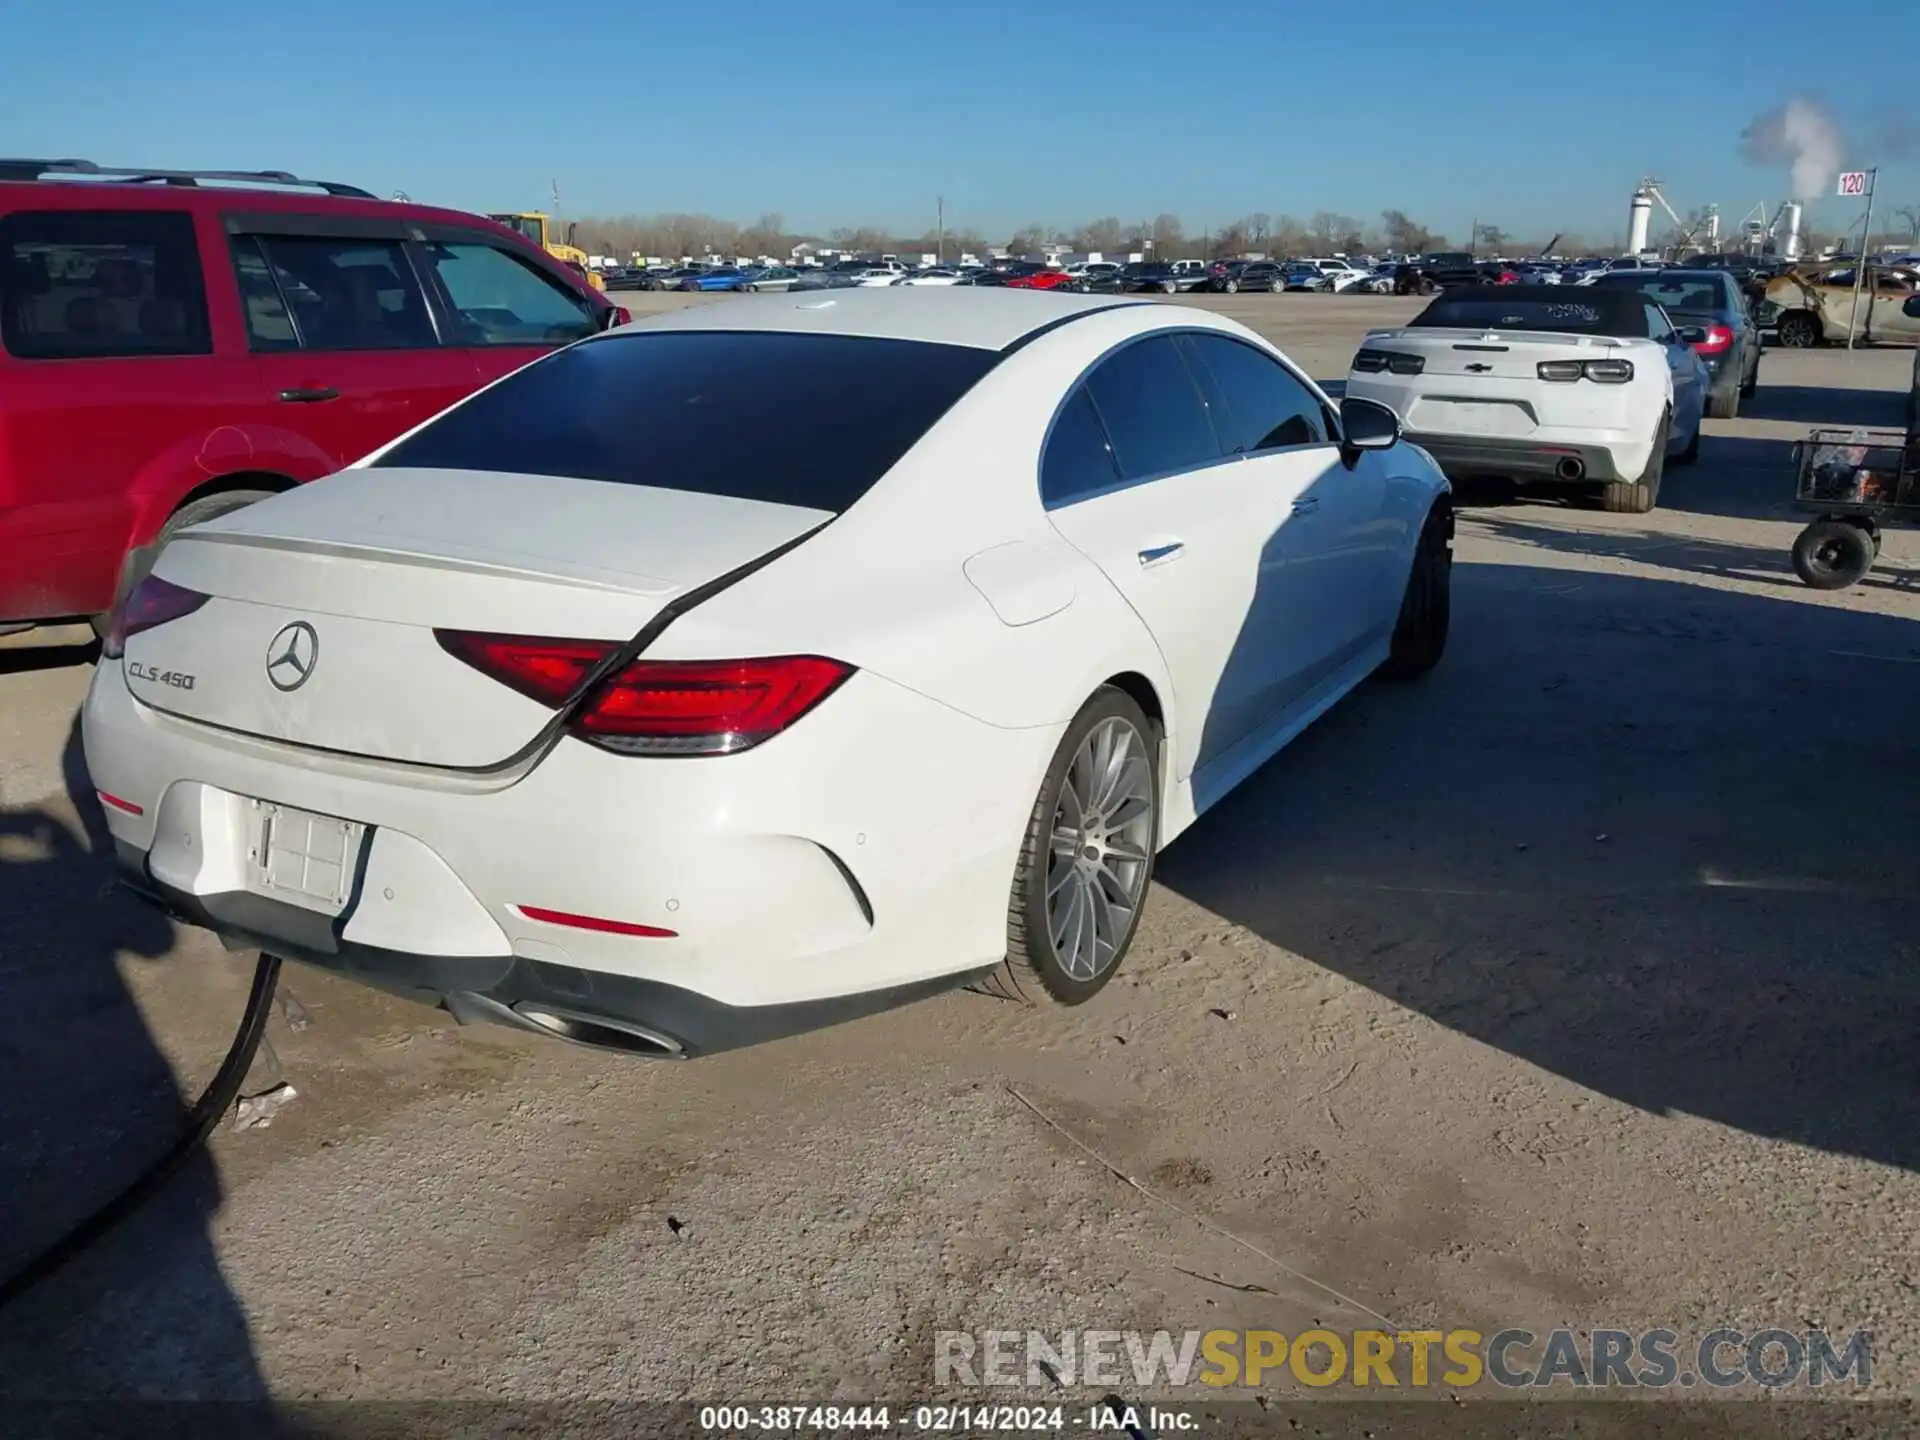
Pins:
<point x="349" y="294"/>
<point x="502" y="301"/>
<point x="1657" y="326"/>
<point x="792" y="419"/>
<point x="1078" y="459"/>
<point x="1263" y="406"/>
<point x="269" y="326"/>
<point x="80" y="284"/>
<point x="1153" y="412"/>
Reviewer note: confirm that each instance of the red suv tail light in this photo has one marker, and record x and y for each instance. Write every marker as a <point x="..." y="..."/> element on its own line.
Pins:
<point x="1719" y="338"/>
<point x="656" y="707"/>
<point x="151" y="603"/>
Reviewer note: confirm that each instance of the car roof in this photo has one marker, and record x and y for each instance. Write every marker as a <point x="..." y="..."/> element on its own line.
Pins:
<point x="982" y="318"/>
<point x="118" y="194"/>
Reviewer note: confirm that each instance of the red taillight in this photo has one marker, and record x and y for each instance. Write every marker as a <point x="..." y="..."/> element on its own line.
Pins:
<point x="550" y="671"/>
<point x="622" y="315"/>
<point x="153" y="602"/>
<point x="1719" y="338"/>
<point x="656" y="707"/>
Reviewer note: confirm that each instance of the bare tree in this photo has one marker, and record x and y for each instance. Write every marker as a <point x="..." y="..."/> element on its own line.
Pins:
<point x="1258" y="228"/>
<point x="1027" y="239"/>
<point x="1491" y="236"/>
<point x="1289" y="236"/>
<point x="1169" y="236"/>
<point x="1328" y="231"/>
<point x="1404" y="234"/>
<point x="1909" y="216"/>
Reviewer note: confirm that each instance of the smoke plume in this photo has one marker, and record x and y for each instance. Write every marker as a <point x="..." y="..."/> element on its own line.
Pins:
<point x="1802" y="134"/>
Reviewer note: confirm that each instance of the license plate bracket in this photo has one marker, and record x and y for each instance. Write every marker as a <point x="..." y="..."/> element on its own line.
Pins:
<point x="302" y="858"/>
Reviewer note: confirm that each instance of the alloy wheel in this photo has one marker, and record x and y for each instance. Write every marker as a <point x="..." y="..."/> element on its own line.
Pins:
<point x="1099" y="857"/>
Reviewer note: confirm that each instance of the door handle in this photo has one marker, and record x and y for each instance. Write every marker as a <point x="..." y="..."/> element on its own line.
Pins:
<point x="1155" y="554"/>
<point x="311" y="396"/>
<point x="1307" y="506"/>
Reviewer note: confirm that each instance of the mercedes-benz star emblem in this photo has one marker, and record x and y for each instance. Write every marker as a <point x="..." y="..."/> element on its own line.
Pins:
<point x="291" y="656"/>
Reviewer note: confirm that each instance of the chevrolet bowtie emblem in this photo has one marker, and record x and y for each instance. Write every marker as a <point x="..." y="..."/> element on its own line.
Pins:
<point x="291" y="656"/>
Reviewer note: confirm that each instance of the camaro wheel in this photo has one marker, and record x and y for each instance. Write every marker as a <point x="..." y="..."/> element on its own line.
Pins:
<point x="1420" y="636"/>
<point x="1087" y="858"/>
<point x="1637" y="497"/>
<point x="1832" y="554"/>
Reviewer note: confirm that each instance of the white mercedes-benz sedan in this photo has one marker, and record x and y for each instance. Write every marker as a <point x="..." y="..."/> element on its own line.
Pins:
<point x="761" y="665"/>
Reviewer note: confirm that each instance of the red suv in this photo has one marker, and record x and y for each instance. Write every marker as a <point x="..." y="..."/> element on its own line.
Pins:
<point x="174" y="345"/>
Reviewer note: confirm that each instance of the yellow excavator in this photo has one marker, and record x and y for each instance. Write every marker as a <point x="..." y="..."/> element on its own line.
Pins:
<point x="533" y="225"/>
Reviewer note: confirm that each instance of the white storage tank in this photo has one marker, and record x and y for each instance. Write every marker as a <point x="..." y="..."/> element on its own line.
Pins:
<point x="1639" y="221"/>
<point x="1790" y="241"/>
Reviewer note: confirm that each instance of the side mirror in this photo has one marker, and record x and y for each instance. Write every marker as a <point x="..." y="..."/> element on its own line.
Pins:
<point x="1369" y="425"/>
<point x="1912" y="308"/>
<point x="613" y="317"/>
<point x="1692" y="334"/>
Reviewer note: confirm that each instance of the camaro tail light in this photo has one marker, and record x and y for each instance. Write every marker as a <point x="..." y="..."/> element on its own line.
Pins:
<point x="655" y="707"/>
<point x="1719" y="338"/>
<point x="151" y="603"/>
<point x="1603" y="372"/>
<point x="1372" y="362"/>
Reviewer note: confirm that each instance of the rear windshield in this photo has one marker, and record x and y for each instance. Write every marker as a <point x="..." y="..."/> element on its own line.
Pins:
<point x="810" y="420"/>
<point x="1671" y="291"/>
<point x="1582" y="315"/>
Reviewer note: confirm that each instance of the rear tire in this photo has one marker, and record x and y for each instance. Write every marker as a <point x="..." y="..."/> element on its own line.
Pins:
<point x="1752" y="383"/>
<point x="1692" y="452"/>
<point x="1726" y="406"/>
<point x="1230" y="287"/>
<point x="1420" y="635"/>
<point x="1637" y="497"/>
<point x="1070" y="919"/>
<point x="1169" y="288"/>
<point x="194" y="512"/>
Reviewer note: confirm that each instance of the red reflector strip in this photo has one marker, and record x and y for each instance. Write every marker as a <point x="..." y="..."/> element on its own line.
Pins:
<point x="594" y="922"/>
<point x="117" y="803"/>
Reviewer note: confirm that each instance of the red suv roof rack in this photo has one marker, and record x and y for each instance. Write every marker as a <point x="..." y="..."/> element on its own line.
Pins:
<point x="40" y="169"/>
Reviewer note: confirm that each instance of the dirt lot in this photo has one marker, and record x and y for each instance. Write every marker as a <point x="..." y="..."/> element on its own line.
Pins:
<point x="1576" y="985"/>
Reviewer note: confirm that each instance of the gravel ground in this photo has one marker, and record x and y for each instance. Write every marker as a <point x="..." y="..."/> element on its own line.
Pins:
<point x="1575" y="985"/>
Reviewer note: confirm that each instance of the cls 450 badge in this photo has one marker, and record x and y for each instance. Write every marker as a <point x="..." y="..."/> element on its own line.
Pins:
<point x="178" y="679"/>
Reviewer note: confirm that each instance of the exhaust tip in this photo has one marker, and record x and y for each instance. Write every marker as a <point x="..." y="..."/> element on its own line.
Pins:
<point x="601" y="1032"/>
<point x="1570" y="467"/>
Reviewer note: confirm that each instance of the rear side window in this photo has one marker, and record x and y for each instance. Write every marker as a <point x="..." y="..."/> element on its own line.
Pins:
<point x="1153" y="411"/>
<point x="347" y="294"/>
<point x="501" y="301"/>
<point x="89" y="284"/>
<point x="809" y="420"/>
<point x="1263" y="405"/>
<point x="1078" y="461"/>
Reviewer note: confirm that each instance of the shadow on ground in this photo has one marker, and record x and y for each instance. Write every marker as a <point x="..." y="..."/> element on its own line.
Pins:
<point x="1653" y="837"/>
<point x="87" y="1100"/>
<point x="1824" y="405"/>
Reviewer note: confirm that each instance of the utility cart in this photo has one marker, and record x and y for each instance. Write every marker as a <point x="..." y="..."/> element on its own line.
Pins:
<point x="1853" y="481"/>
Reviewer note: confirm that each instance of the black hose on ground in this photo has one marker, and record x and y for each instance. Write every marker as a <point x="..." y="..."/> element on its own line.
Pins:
<point x="214" y="1102"/>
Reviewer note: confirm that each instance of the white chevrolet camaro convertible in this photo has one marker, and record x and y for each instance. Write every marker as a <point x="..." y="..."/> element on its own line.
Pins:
<point x="1585" y="387"/>
<point x="754" y="667"/>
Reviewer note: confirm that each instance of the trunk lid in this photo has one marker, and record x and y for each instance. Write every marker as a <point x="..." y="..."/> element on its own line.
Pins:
<point x="1479" y="382"/>
<point x="353" y="574"/>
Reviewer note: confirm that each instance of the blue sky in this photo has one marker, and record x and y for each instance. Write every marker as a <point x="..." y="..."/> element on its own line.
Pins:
<point x="1530" y="117"/>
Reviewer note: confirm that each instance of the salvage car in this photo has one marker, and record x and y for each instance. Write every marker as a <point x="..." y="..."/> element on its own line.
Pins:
<point x="1813" y="304"/>
<point x="1539" y="382"/>
<point x="586" y="709"/>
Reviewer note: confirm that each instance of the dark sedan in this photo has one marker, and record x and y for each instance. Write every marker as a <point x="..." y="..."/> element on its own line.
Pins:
<point x="1157" y="276"/>
<point x="1710" y="308"/>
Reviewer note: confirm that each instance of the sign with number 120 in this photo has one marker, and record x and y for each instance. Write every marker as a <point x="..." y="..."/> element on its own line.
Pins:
<point x="1853" y="182"/>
